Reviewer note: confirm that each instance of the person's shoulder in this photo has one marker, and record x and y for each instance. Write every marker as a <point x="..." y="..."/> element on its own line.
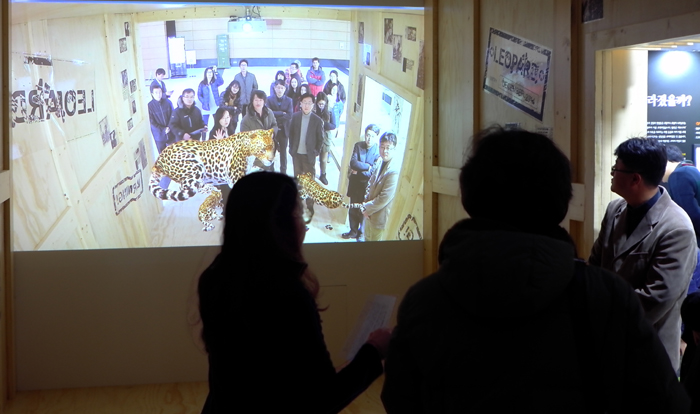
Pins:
<point x="686" y="170"/>
<point x="616" y="205"/>
<point x="604" y="288"/>
<point x="422" y="293"/>
<point x="675" y="217"/>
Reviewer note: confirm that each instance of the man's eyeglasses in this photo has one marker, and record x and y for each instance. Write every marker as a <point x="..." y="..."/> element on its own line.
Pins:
<point x="613" y="170"/>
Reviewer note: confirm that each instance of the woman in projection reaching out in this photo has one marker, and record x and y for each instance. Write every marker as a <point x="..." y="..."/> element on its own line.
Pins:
<point x="261" y="324"/>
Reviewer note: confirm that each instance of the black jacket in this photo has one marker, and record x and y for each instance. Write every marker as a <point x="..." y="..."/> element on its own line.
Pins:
<point x="265" y="344"/>
<point x="314" y="136"/>
<point x="159" y="113"/>
<point x="493" y="331"/>
<point x="362" y="161"/>
<point x="186" y="120"/>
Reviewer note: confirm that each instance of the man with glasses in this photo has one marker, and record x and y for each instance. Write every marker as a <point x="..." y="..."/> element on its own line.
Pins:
<point x="648" y="239"/>
<point x="305" y="139"/>
<point x="380" y="190"/>
<point x="186" y="121"/>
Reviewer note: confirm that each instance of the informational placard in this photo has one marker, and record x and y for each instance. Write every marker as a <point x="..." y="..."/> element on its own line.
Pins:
<point x="222" y="52"/>
<point x="517" y="71"/>
<point x="671" y="85"/>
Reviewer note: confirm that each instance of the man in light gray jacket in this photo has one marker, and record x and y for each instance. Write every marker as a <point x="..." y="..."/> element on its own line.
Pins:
<point x="381" y="189"/>
<point x="648" y="239"/>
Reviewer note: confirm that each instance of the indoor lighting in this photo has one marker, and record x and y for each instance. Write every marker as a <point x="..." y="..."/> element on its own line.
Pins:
<point x="251" y="22"/>
<point x="674" y="63"/>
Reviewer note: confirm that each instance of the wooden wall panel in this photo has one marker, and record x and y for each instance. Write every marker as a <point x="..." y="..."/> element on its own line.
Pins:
<point x="7" y="338"/>
<point x="459" y="82"/>
<point x="458" y="105"/>
<point x="71" y="166"/>
<point x="537" y="27"/>
<point x="409" y="195"/>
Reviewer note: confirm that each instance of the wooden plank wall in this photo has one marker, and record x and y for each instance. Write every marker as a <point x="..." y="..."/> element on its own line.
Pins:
<point x="464" y="108"/>
<point x="611" y="81"/>
<point x="408" y="201"/>
<point x="77" y="172"/>
<point x="7" y="349"/>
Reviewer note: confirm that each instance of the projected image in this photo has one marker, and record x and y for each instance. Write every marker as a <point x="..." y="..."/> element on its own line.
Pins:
<point x="135" y="141"/>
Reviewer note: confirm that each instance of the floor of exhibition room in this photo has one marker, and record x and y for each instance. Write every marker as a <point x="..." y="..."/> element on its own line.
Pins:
<point x="183" y="398"/>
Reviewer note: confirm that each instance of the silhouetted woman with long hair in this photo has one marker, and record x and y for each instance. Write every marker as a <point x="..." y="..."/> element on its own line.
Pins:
<point x="261" y="324"/>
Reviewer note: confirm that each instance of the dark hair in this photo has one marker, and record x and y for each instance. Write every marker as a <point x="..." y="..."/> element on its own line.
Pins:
<point x="213" y="76"/>
<point x="160" y="71"/>
<point x="240" y="62"/>
<point x="517" y="177"/>
<point x="280" y="82"/>
<point x="644" y="156"/>
<point x="280" y="72"/>
<point x="155" y="86"/>
<point x="262" y="210"/>
<point x="388" y="137"/>
<point x="228" y="95"/>
<point x="186" y="91"/>
<point x="307" y="95"/>
<point x="673" y="153"/>
<point x="217" y="117"/>
<point x="295" y="64"/>
<point x="373" y="127"/>
<point x="332" y="72"/>
<point x="323" y="114"/>
<point x="316" y="59"/>
<point x="257" y="93"/>
<point x="304" y="85"/>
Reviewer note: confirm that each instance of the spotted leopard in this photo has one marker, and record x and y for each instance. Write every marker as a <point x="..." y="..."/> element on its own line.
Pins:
<point x="310" y="188"/>
<point x="197" y="166"/>
<point x="211" y="209"/>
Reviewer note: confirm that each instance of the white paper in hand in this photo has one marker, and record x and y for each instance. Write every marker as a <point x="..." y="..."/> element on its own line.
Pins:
<point x="375" y="314"/>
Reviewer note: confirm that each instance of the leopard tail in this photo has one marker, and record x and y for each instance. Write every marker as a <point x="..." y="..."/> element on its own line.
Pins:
<point x="163" y="193"/>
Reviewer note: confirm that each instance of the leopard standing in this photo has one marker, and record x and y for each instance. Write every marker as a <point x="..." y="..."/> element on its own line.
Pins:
<point x="198" y="166"/>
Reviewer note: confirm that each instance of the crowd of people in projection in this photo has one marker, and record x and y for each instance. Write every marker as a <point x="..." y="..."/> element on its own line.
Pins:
<point x="304" y="112"/>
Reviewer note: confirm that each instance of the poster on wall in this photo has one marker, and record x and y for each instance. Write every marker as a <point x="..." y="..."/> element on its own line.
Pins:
<point x="591" y="10"/>
<point x="517" y="71"/>
<point x="411" y="33"/>
<point x="361" y="32"/>
<point x="388" y="31"/>
<point x="367" y="54"/>
<point x="397" y="55"/>
<point x="671" y="86"/>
